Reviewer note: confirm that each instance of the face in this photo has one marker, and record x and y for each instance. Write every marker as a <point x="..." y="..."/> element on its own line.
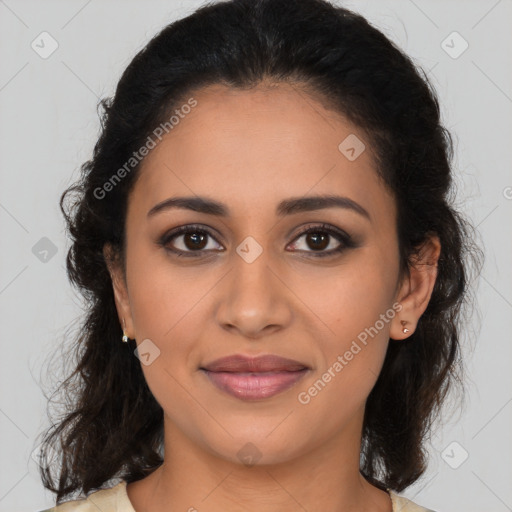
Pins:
<point x="251" y="282"/>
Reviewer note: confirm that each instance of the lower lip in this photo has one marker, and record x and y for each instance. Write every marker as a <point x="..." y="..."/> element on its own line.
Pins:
<point x="254" y="386"/>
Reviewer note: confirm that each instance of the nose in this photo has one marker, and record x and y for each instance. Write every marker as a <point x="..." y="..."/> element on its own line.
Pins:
<point x="255" y="298"/>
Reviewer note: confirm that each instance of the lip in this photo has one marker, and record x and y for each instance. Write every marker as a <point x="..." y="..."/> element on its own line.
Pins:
<point x="254" y="378"/>
<point x="254" y="385"/>
<point x="265" y="363"/>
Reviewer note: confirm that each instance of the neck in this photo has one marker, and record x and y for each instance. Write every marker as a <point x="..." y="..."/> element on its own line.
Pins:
<point x="193" y="478"/>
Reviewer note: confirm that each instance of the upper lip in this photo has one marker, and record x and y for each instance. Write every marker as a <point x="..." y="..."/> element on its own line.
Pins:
<point x="264" y="363"/>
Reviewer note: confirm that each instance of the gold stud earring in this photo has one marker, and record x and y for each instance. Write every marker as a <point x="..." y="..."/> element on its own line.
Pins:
<point x="404" y="330"/>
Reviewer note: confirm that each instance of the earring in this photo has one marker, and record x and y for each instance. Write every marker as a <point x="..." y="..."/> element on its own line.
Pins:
<point x="404" y="330"/>
<point x="125" y="337"/>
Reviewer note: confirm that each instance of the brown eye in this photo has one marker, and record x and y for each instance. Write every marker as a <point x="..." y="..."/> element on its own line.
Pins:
<point x="318" y="241"/>
<point x="195" y="240"/>
<point x="319" y="238"/>
<point x="187" y="240"/>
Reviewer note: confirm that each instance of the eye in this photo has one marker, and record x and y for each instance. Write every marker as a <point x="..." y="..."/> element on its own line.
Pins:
<point x="190" y="239"/>
<point x="193" y="239"/>
<point x="321" y="237"/>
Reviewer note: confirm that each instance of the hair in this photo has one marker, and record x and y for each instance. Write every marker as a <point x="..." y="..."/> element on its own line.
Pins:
<point x="113" y="426"/>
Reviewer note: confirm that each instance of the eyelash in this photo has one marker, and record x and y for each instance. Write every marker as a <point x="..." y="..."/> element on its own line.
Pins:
<point x="345" y="240"/>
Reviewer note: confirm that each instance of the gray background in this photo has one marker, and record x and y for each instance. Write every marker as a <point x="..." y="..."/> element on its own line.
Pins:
<point x="48" y="128"/>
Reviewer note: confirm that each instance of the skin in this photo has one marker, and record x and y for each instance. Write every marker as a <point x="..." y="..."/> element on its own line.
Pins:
<point x="250" y="150"/>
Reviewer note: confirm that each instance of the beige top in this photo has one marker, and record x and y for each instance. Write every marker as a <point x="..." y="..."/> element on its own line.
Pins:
<point x="115" y="499"/>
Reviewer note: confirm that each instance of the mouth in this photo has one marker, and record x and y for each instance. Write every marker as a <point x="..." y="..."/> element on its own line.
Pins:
<point x="249" y="378"/>
<point x="254" y="385"/>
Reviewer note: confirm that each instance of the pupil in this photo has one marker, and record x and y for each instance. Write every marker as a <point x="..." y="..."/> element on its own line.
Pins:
<point x="315" y="237"/>
<point x="196" y="238"/>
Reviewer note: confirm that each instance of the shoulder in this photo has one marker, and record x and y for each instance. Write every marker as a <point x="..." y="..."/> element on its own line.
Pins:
<point x="112" y="499"/>
<point x="402" y="504"/>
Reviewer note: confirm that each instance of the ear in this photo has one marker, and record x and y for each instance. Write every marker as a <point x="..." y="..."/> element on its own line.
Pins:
<point x="416" y="289"/>
<point x="120" y="290"/>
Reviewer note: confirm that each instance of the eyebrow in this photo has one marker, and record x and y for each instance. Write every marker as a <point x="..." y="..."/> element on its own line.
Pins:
<point x="286" y="207"/>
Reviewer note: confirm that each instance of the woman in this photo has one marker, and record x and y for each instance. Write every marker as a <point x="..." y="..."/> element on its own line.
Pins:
<point x="273" y="269"/>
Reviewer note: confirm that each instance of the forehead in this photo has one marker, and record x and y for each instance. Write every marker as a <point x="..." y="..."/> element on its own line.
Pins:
<point x="249" y="147"/>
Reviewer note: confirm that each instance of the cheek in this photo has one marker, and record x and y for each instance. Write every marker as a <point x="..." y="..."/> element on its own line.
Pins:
<point x="162" y="295"/>
<point x="350" y="298"/>
<point x="168" y="307"/>
<point x="354" y="313"/>
<point x="358" y="314"/>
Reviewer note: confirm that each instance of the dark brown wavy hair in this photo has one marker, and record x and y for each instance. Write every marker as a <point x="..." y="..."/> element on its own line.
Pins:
<point x="110" y="426"/>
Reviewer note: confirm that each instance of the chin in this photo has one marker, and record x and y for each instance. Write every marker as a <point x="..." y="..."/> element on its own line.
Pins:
<point x="257" y="449"/>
